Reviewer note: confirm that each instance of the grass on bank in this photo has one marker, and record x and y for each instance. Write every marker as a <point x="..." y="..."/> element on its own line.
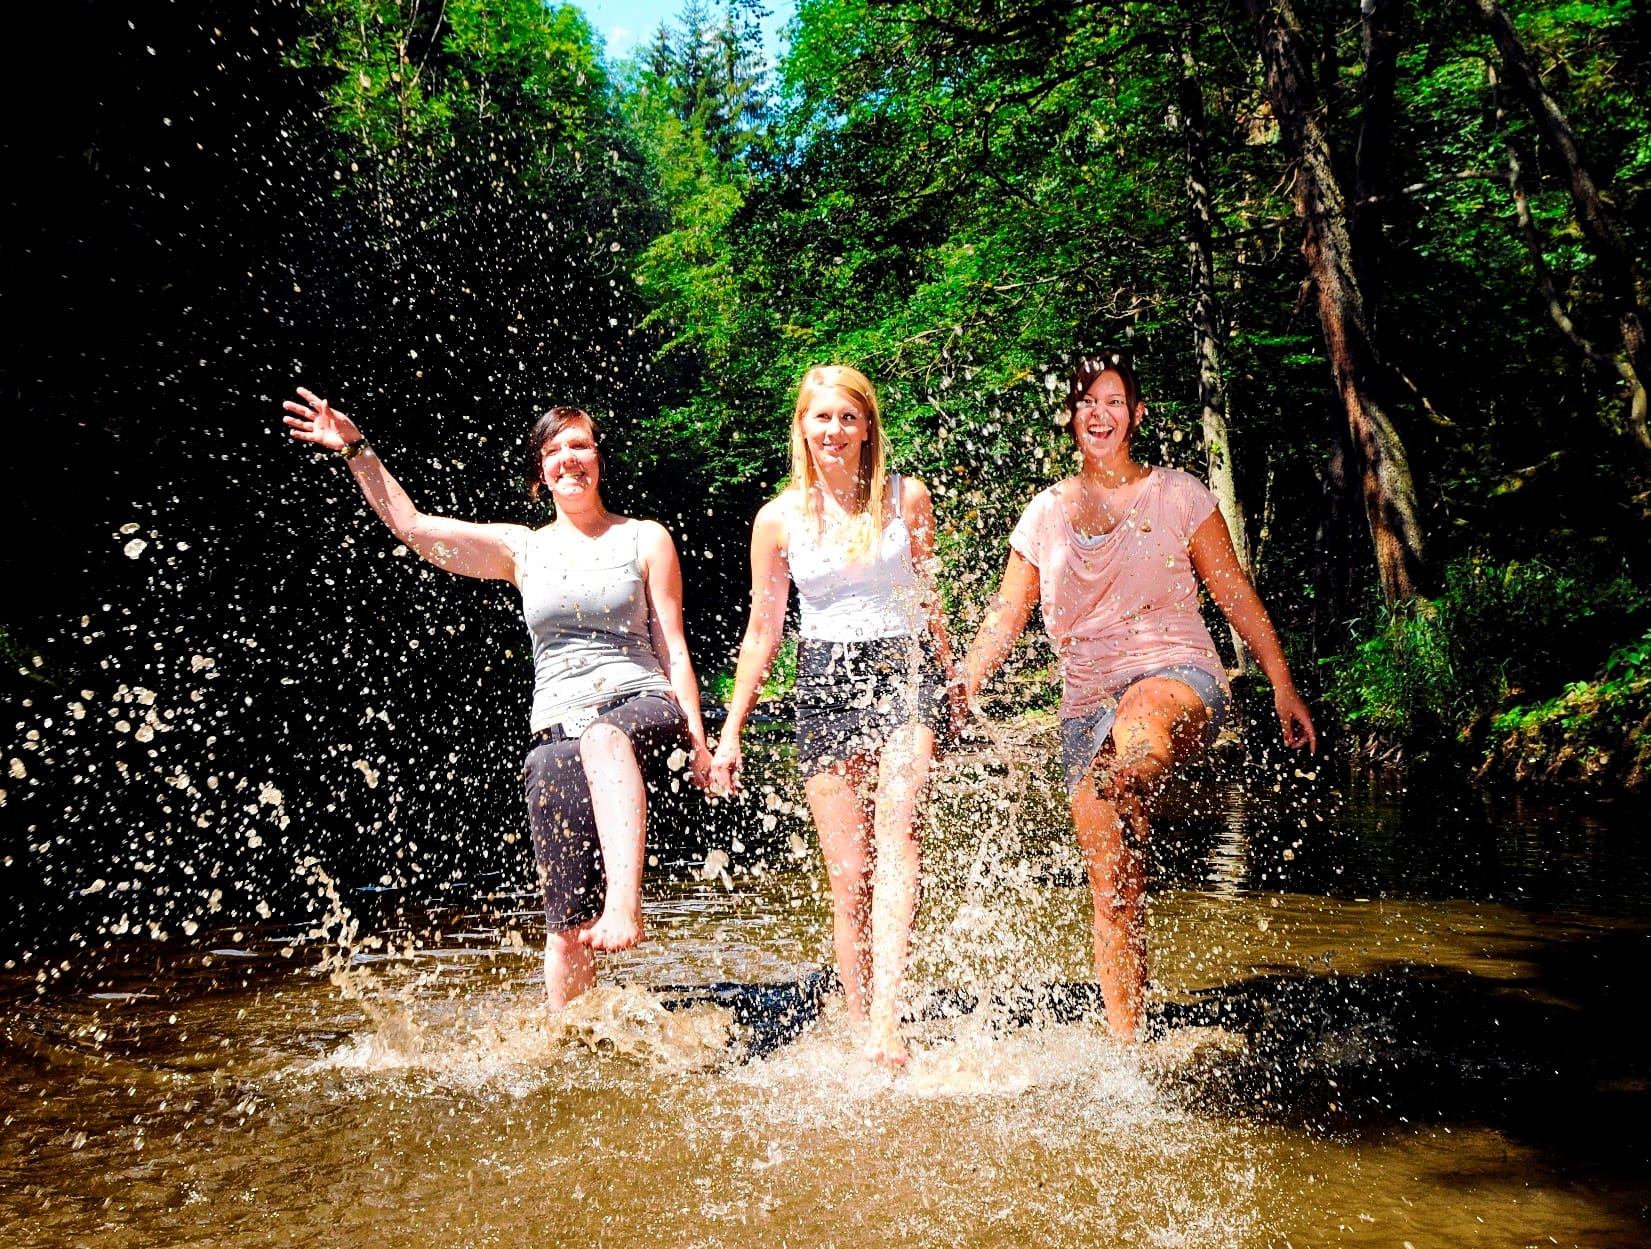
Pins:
<point x="1542" y="672"/>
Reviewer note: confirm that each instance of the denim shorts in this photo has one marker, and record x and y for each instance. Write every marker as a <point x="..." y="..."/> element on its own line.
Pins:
<point x="1083" y="736"/>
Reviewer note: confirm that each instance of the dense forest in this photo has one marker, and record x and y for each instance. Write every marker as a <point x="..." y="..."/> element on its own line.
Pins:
<point x="1381" y="266"/>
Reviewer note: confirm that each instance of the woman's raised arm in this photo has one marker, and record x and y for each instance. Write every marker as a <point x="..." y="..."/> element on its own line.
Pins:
<point x="459" y="546"/>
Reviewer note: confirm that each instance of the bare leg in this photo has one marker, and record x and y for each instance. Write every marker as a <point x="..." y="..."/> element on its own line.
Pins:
<point x="619" y="801"/>
<point x="1158" y="722"/>
<point x="844" y="825"/>
<point x="903" y="773"/>
<point x="1117" y="885"/>
<point x="570" y="966"/>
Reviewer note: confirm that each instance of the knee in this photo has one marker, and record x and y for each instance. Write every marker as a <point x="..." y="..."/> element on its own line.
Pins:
<point x="1115" y="905"/>
<point x="603" y="742"/>
<point x="850" y="882"/>
<point x="1137" y="774"/>
<point x="563" y="943"/>
<point x="830" y="786"/>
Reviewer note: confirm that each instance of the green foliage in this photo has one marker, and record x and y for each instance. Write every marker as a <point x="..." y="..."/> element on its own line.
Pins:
<point x="1433" y="669"/>
<point x="415" y="82"/>
<point x="959" y="199"/>
<point x="483" y="176"/>
<point x="1593" y="730"/>
<point x="1620" y="697"/>
<point x="1400" y="678"/>
<point x="782" y="676"/>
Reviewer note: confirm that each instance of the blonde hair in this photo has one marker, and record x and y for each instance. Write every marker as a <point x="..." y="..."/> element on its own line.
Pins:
<point x="871" y="488"/>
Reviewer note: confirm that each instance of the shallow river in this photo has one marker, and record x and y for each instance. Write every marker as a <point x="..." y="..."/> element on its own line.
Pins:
<point x="1385" y="1019"/>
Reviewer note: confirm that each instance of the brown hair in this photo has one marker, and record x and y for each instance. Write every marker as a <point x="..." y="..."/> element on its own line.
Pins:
<point x="1088" y="371"/>
<point x="548" y="427"/>
<point x="872" y="487"/>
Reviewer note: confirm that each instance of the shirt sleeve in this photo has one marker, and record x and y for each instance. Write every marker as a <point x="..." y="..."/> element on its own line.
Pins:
<point x="1190" y="503"/>
<point x="1027" y="539"/>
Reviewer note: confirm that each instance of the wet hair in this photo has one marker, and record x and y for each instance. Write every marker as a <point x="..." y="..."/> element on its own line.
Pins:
<point x="1088" y="371"/>
<point x="546" y="428"/>
<point x="872" y="487"/>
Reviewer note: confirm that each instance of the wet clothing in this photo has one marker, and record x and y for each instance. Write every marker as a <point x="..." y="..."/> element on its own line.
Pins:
<point x="559" y="812"/>
<point x="866" y="664"/>
<point x="844" y="600"/>
<point x="1083" y="735"/>
<point x="1124" y="604"/>
<point x="586" y="608"/>
<point x="851" y="695"/>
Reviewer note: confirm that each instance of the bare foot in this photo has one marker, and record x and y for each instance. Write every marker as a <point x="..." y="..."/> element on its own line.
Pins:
<point x="887" y="1048"/>
<point x="613" y="932"/>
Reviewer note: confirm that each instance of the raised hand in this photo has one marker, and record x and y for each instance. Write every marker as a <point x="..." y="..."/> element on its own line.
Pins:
<point x="315" y="420"/>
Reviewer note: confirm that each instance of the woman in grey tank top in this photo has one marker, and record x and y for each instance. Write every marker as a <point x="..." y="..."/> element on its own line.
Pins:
<point x="614" y="691"/>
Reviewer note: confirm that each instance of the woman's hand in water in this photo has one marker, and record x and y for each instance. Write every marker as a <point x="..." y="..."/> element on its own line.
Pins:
<point x="725" y="766"/>
<point x="1294" y="718"/>
<point x="315" y="420"/>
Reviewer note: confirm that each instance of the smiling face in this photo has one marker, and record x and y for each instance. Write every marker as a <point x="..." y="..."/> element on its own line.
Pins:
<point x="568" y="463"/>
<point x="1103" y="418"/>
<point x="835" y="427"/>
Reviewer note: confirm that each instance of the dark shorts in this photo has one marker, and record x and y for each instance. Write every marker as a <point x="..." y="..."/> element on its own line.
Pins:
<point x="558" y="803"/>
<point x="851" y="695"/>
<point x="1083" y="736"/>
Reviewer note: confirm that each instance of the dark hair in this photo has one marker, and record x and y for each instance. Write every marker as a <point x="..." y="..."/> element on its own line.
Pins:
<point x="1088" y="371"/>
<point x="546" y="428"/>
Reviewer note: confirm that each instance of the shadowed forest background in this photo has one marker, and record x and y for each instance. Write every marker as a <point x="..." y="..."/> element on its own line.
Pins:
<point x="1381" y="267"/>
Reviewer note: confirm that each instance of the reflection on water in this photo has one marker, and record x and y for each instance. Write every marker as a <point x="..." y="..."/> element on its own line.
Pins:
<point x="1381" y="1024"/>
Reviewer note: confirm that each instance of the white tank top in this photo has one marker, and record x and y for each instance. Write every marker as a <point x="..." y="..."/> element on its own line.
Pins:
<point x="852" y="601"/>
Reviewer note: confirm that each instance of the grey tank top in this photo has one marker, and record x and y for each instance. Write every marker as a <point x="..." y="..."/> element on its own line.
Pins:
<point x="586" y="610"/>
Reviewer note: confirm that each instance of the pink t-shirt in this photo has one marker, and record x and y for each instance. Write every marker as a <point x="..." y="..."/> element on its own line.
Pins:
<point x="1123" y="604"/>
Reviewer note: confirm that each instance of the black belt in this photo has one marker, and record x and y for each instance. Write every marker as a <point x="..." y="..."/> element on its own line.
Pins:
<point x="556" y="733"/>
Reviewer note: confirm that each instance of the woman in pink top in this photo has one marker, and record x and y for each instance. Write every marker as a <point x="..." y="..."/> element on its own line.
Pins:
<point x="1114" y="556"/>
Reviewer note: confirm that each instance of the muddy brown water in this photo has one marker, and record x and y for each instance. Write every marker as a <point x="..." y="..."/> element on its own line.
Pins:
<point x="1387" y="1017"/>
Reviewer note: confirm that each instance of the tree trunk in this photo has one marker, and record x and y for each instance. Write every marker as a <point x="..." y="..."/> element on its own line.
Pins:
<point x="1206" y="325"/>
<point x="1333" y="554"/>
<point x="1379" y="459"/>
<point x="1377" y="81"/>
<point x="1598" y="222"/>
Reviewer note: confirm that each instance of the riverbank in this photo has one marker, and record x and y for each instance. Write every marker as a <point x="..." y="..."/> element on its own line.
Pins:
<point x="1523" y="672"/>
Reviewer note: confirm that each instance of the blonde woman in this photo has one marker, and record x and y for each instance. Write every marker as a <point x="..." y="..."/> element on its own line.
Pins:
<point x="875" y="676"/>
